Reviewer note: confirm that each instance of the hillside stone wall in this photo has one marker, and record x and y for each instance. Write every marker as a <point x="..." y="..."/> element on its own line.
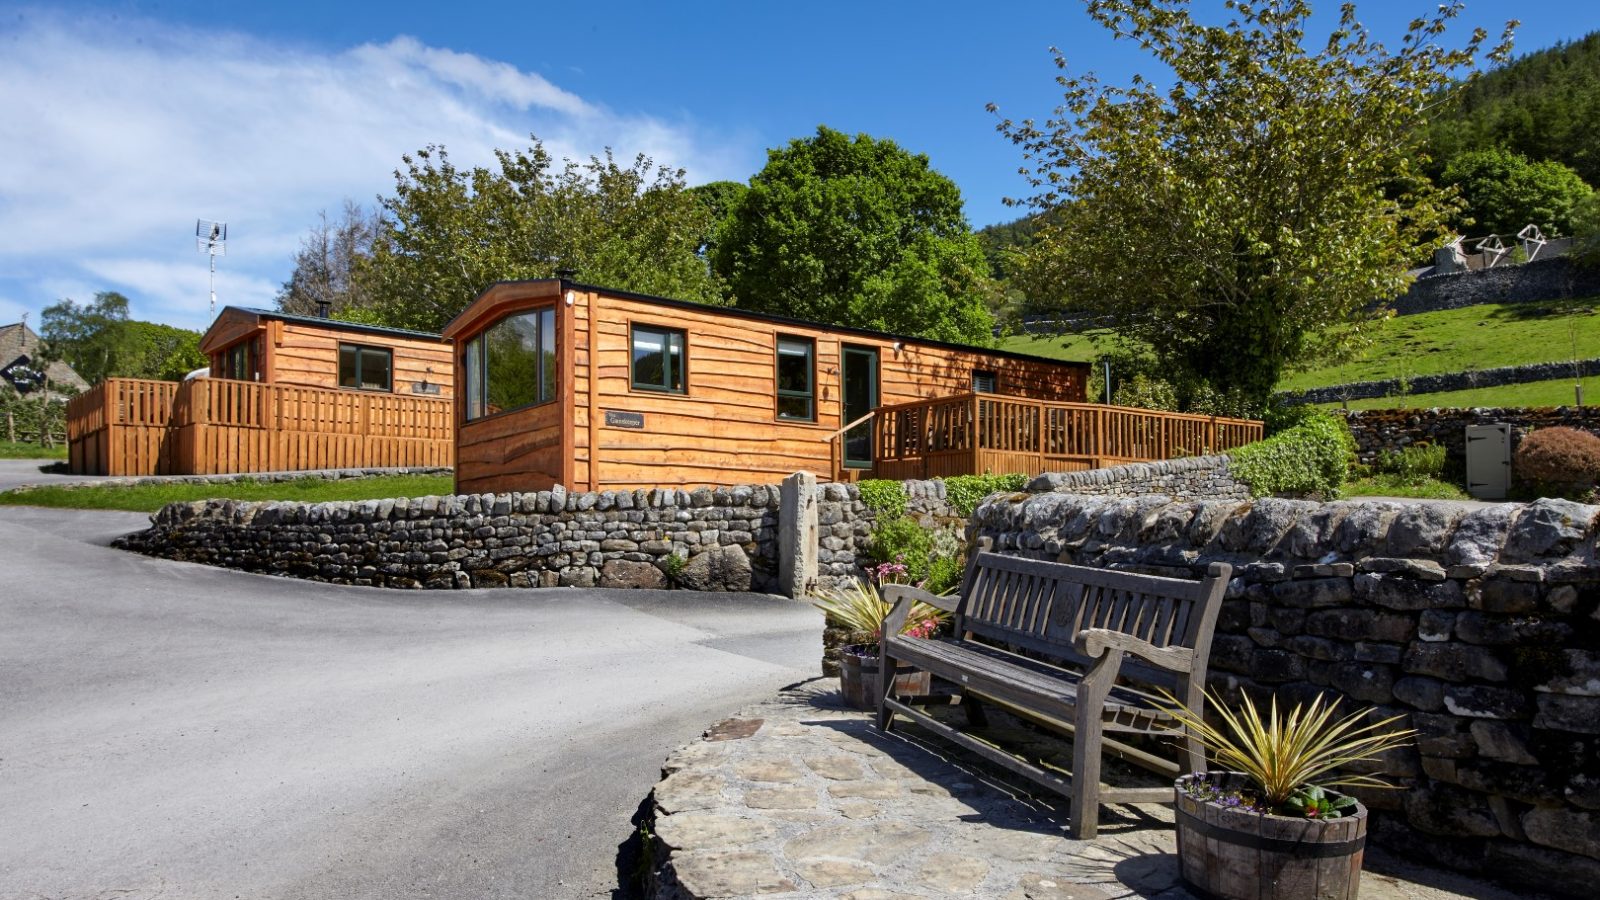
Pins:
<point x="1377" y="430"/>
<point x="1449" y="381"/>
<point x="1558" y="278"/>
<point x="1480" y="625"/>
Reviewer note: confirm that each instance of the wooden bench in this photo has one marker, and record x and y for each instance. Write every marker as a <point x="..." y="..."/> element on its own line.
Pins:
<point x="1098" y="643"/>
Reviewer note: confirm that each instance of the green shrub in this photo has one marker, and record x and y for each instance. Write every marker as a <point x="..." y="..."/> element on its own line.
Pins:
<point x="965" y="492"/>
<point x="1558" y="462"/>
<point x="902" y="540"/>
<point x="1414" y="463"/>
<point x="1312" y="457"/>
<point x="884" y="497"/>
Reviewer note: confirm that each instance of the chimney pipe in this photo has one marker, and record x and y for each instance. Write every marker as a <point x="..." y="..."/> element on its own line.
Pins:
<point x="323" y="308"/>
<point x="566" y="274"/>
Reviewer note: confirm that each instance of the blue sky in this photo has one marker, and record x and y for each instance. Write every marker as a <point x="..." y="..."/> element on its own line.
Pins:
<point x="122" y="122"/>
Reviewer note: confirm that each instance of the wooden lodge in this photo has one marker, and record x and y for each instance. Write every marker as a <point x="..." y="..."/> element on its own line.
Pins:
<point x="600" y="389"/>
<point x="284" y="393"/>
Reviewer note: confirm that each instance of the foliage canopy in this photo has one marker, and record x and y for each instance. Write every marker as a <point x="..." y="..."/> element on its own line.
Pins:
<point x="1242" y="218"/>
<point x="1504" y="192"/>
<point x="856" y="232"/>
<point x="448" y="233"/>
<point x="99" y="341"/>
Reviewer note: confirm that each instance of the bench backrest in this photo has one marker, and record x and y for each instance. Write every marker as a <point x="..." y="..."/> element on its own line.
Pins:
<point x="1041" y="606"/>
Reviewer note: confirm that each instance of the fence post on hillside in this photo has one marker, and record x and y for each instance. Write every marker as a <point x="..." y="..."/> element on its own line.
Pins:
<point x="11" y="426"/>
<point x="797" y="535"/>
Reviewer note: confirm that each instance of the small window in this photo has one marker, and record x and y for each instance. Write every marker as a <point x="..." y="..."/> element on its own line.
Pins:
<point x="983" y="382"/>
<point x="238" y="362"/>
<point x="365" y="368"/>
<point x="796" y="379"/>
<point x="510" y="365"/>
<point x="658" y="359"/>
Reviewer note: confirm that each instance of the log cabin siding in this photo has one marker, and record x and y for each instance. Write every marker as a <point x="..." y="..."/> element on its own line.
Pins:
<point x="295" y="351"/>
<point x="723" y="429"/>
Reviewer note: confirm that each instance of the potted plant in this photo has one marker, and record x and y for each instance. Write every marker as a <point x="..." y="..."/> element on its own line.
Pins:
<point x="1269" y="824"/>
<point x="860" y="608"/>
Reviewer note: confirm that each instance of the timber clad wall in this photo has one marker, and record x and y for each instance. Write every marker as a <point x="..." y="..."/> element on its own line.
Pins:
<point x="295" y="351"/>
<point x="723" y="429"/>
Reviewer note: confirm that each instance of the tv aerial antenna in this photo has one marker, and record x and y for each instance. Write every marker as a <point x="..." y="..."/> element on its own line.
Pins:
<point x="211" y="238"/>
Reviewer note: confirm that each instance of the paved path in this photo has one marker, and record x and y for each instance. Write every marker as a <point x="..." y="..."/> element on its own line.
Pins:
<point x="18" y="472"/>
<point x="808" y="801"/>
<point x="169" y="730"/>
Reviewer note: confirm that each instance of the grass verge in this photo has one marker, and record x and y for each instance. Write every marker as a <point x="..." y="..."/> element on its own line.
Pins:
<point x="151" y="497"/>
<point x="1382" y="485"/>
<point x="20" y="450"/>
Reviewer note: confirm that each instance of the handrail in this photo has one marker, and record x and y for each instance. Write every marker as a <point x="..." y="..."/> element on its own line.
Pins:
<point x="850" y="426"/>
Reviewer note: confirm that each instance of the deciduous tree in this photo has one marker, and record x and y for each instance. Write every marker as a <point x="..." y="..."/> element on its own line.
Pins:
<point x="448" y="233"/>
<point x="858" y="232"/>
<point x="1244" y="213"/>
<point x="1505" y="192"/>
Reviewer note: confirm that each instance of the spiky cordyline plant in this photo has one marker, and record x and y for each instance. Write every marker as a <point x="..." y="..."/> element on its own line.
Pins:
<point x="862" y="609"/>
<point x="1282" y="754"/>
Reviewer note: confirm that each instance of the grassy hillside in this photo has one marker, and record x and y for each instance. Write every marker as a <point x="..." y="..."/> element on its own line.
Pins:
<point x="1477" y="337"/>
<point x="1534" y="393"/>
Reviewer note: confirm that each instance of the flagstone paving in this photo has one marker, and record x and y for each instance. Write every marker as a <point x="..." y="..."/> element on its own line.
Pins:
<point x="801" y="797"/>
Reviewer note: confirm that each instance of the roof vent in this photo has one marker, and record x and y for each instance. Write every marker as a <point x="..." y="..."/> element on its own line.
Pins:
<point x="323" y="309"/>
<point x="566" y="274"/>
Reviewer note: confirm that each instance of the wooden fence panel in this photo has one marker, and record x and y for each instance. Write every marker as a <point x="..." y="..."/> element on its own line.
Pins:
<point x="213" y="426"/>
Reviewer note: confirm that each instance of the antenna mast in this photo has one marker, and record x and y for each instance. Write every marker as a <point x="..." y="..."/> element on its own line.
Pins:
<point x="211" y="238"/>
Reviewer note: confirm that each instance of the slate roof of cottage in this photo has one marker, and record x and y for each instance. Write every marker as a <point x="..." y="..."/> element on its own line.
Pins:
<point x="18" y="340"/>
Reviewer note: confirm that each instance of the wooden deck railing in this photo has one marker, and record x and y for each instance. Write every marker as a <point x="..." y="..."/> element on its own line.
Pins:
<point x="209" y="426"/>
<point x="972" y="434"/>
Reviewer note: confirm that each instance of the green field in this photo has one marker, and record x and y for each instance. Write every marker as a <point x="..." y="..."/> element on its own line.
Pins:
<point x="1456" y="340"/>
<point x="20" y="450"/>
<point x="1534" y="393"/>
<point x="151" y="497"/>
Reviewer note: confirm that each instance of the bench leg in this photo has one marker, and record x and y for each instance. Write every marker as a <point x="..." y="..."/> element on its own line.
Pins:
<point x="886" y="670"/>
<point x="972" y="708"/>
<point x="1085" y="799"/>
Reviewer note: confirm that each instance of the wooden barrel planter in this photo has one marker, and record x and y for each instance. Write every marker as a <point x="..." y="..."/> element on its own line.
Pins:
<point x="858" y="678"/>
<point x="1231" y="854"/>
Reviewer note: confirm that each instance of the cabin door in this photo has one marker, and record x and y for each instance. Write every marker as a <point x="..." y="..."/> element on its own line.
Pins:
<point x="860" y="392"/>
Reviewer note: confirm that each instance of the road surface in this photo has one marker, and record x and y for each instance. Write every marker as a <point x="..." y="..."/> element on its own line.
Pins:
<point x="171" y="730"/>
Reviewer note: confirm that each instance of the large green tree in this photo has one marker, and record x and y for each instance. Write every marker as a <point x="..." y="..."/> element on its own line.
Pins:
<point x="99" y="341"/>
<point x="1242" y="214"/>
<point x="448" y="233"/>
<point x="1505" y="192"/>
<point x="856" y="231"/>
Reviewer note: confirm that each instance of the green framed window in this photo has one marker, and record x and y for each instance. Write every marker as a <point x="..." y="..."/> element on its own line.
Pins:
<point x="511" y="364"/>
<point x="797" y="381"/>
<point x="659" y="362"/>
<point x="366" y="368"/>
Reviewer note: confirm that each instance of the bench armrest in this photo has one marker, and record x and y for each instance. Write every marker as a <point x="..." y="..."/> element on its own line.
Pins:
<point x="894" y="592"/>
<point x="1095" y="642"/>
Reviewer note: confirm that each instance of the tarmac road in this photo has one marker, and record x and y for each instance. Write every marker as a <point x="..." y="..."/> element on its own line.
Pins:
<point x="172" y="730"/>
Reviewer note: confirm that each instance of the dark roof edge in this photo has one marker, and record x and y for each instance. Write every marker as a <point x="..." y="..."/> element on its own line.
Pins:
<point x="787" y="320"/>
<point x="337" y="323"/>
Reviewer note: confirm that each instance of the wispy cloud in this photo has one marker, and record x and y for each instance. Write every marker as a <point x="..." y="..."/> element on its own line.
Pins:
<point x="114" y="137"/>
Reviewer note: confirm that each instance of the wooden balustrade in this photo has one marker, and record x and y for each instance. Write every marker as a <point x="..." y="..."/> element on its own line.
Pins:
<point x="977" y="433"/>
<point x="209" y="426"/>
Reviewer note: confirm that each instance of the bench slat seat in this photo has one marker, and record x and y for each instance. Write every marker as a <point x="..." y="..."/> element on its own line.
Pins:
<point x="1082" y="650"/>
<point x="1030" y="683"/>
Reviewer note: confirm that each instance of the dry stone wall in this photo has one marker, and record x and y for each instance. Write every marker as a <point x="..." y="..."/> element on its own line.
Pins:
<point x="1480" y="625"/>
<point x="1189" y="478"/>
<point x="1540" y="281"/>
<point x="1377" y="430"/>
<point x="1450" y="381"/>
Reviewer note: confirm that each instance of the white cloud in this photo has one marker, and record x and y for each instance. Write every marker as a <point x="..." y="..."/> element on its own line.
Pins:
<point x="115" y="137"/>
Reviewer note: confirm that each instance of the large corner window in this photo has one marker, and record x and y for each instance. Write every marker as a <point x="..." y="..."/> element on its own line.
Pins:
<point x="797" y="384"/>
<point x="658" y="359"/>
<point x="366" y="368"/>
<point x="511" y="365"/>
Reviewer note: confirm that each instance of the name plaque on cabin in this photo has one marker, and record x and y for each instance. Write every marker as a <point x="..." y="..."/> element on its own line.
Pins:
<point x="423" y="387"/>
<point x="615" y="419"/>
